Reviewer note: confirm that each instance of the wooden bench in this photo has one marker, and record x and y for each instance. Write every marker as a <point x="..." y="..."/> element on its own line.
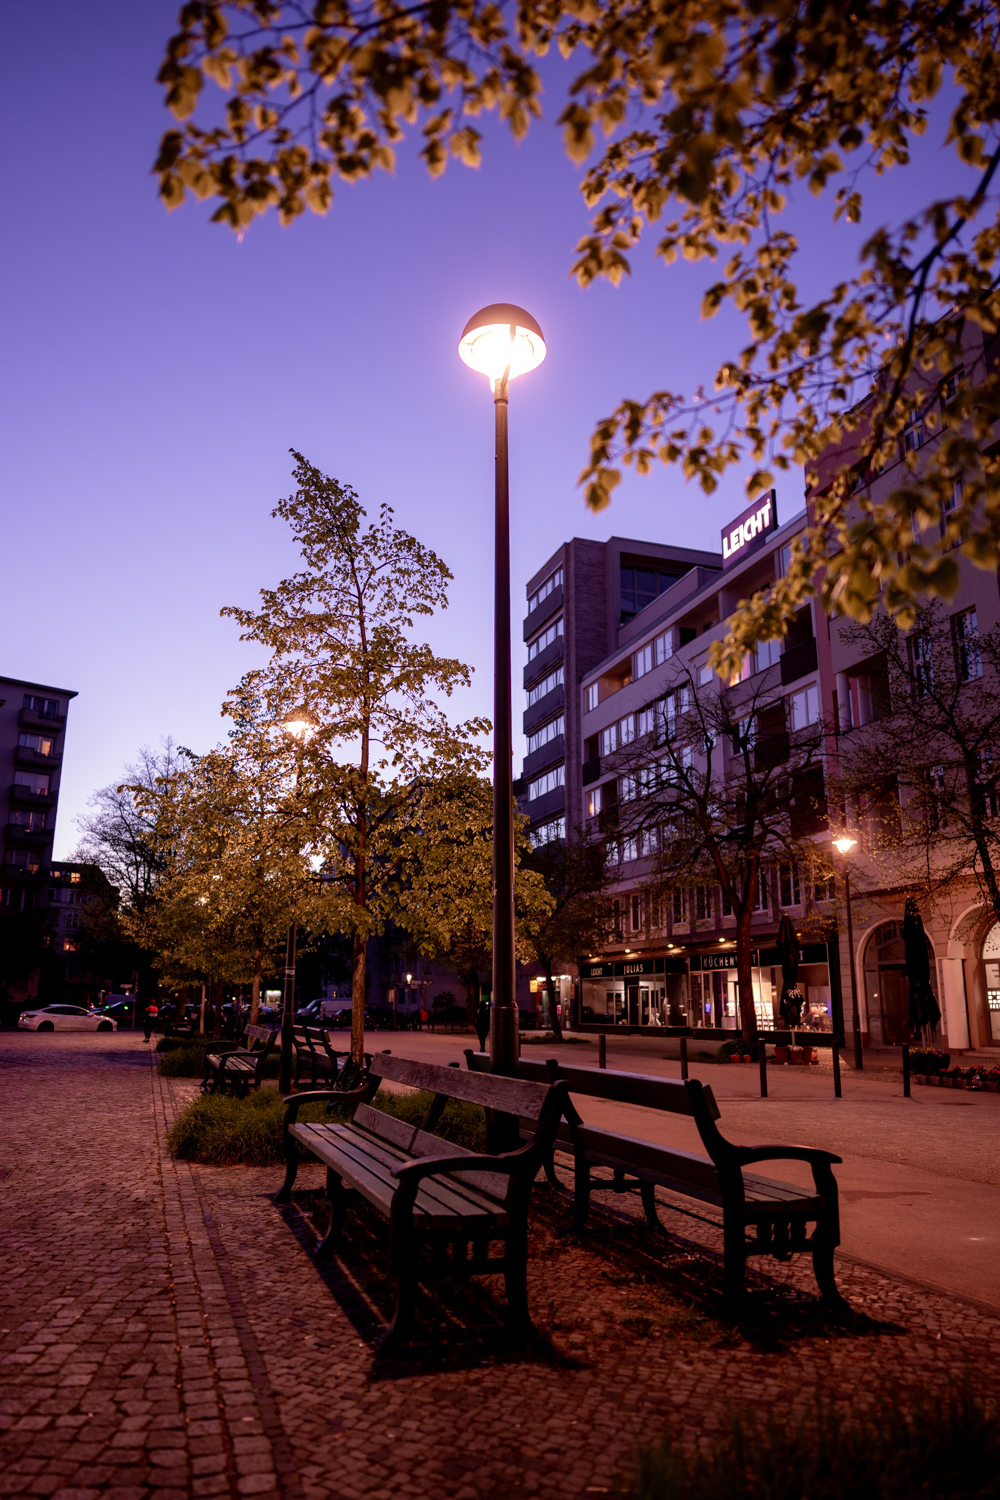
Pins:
<point x="778" y="1213"/>
<point x="428" y="1189"/>
<point x="241" y="1069"/>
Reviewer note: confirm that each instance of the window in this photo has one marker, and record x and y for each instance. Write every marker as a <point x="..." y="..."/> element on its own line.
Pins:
<point x="47" y="708"/>
<point x="15" y="899"/>
<point x="664" y="647"/>
<point x="936" y="796"/>
<point x="24" y="817"/>
<point x="640" y="586"/>
<point x="547" y="783"/>
<point x="967" y="654"/>
<point x="547" y="833"/>
<point x="805" y="707"/>
<point x="609" y="739"/>
<point x="642" y="661"/>
<point x="765" y="654"/>
<point x="705" y="675"/>
<point x="33" y="781"/>
<point x="785" y="557"/>
<point x="22" y="859"/>
<point x="42" y="744"/>
<point x="954" y="500"/>
<point x="986" y="784"/>
<point x="761" y="903"/>
<point x="550" y="731"/>
<point x="703" y="903"/>
<point x="595" y="801"/>
<point x="824" y="890"/>
<point x="547" y="685"/>
<point x="630" y="849"/>
<point x="680" y="904"/>
<point x="915" y="436"/>
<point x="626" y="730"/>
<point x="591" y="697"/>
<point x="628" y="789"/>
<point x="638" y="921"/>
<point x="70" y="945"/>
<point x="950" y="385"/>
<point x="553" y="582"/>
<point x="647" y="721"/>
<point x="546" y="638"/>
<point x="922" y="664"/>
<point x="789" y="892"/>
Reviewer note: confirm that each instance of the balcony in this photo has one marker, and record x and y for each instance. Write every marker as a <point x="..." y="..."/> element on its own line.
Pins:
<point x="545" y="708"/>
<point x="591" y="770"/>
<point x="541" y="612"/>
<point x="23" y="796"/>
<point x="545" y="805"/>
<point x="546" y="755"/>
<point x="542" y="664"/>
<point x="27" y="837"/>
<point x="798" y="661"/>
<point x="29" y="719"/>
<point x="23" y="756"/>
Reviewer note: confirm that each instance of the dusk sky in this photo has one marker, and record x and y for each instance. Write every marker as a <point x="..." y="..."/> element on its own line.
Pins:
<point x="156" y="372"/>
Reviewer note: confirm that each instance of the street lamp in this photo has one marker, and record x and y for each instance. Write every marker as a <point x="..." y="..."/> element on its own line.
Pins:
<point x="502" y="341"/>
<point x="844" y="844"/>
<point x="299" y="725"/>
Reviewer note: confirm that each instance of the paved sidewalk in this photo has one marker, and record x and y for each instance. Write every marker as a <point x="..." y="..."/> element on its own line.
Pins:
<point x="165" y="1332"/>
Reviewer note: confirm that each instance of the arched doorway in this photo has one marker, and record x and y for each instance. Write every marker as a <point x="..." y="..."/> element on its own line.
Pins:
<point x="991" y="963"/>
<point x="886" y="989"/>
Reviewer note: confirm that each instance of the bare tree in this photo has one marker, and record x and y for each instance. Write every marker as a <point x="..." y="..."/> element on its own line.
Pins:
<point x="119" y="834"/>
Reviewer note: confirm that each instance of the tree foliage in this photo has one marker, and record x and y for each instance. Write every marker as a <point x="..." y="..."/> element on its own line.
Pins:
<point x="575" y="919"/>
<point x="715" y="112"/>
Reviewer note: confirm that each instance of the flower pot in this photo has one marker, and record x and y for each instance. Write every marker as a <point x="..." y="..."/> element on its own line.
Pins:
<point x="810" y="1055"/>
<point x="795" y="1054"/>
<point x="781" y="1054"/>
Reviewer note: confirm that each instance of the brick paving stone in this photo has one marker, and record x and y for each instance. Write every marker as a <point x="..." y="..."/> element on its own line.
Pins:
<point x="166" y="1334"/>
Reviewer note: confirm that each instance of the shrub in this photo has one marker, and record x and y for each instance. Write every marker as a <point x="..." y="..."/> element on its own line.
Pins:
<point x="948" y="1448"/>
<point x="928" y="1060"/>
<point x="737" y="1048"/>
<point x="222" y="1131"/>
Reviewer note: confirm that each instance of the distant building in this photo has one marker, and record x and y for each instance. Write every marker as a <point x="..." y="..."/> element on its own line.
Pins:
<point x="70" y="964"/>
<point x="32" y="732"/>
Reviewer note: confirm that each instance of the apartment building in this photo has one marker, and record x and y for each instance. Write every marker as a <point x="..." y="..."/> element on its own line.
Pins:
<point x="673" y="961"/>
<point x="578" y="602"/>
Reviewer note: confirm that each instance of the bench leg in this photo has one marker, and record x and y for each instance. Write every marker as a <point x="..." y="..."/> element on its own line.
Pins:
<point x="581" y="1193"/>
<point x="516" y="1282"/>
<point x="550" y="1170"/>
<point x="284" y="1193"/>
<point x="335" y="1194"/>
<point x="734" y="1263"/>
<point x="647" y="1193"/>
<point x="402" y="1319"/>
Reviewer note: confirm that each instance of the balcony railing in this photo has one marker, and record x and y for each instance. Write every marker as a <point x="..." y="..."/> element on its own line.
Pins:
<point x="25" y="756"/>
<point x="14" y="833"/>
<point x="25" y="797"/>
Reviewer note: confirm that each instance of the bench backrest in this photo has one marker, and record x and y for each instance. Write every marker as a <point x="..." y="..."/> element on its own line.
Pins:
<point x="258" y="1037"/>
<point x="669" y="1094"/>
<point x="512" y="1096"/>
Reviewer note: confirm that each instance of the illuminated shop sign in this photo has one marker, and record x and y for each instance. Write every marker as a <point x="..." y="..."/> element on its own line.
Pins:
<point x="750" y="529"/>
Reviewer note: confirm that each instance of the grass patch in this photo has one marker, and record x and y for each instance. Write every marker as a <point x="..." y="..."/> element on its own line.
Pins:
<point x="222" y="1131"/>
<point x="947" y="1449"/>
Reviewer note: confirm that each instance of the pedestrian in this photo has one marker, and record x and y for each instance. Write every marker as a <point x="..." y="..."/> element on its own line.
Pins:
<point x="149" y="1016"/>
<point x="423" y="1018"/>
<point x="482" y="1022"/>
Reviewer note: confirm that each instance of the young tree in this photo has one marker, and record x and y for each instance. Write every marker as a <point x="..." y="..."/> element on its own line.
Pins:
<point x="719" y="790"/>
<point x="579" y="884"/>
<point x="379" y="757"/>
<point x="715" y="110"/>
<point x="924" y="777"/>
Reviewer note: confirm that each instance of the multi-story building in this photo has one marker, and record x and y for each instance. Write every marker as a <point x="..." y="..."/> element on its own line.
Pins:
<point x="32" y="731"/>
<point x="673" y="960"/>
<point x="579" y="602"/>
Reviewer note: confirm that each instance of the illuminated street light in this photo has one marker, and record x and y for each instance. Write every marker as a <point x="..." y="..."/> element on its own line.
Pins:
<point x="502" y="341"/>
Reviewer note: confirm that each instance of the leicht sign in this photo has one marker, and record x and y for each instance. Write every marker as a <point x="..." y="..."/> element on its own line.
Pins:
<point x="749" y="530"/>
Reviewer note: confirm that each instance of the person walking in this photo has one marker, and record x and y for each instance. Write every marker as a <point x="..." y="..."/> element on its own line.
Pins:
<point x="149" y="1016"/>
<point x="482" y="1022"/>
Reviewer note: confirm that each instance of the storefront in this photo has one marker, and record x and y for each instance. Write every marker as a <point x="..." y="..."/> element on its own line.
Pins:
<point x="699" y="989"/>
<point x="887" y="991"/>
<point x="991" y="963"/>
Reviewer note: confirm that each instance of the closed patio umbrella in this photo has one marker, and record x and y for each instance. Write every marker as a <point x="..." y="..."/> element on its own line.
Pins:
<point x="790" y="1004"/>
<point x="924" y="1009"/>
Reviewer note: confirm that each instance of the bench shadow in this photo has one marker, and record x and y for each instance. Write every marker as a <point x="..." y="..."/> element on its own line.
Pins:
<point x="459" y="1322"/>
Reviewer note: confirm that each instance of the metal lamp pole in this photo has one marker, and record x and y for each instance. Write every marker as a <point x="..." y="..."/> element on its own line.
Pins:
<point x="845" y="844"/>
<point x="502" y="341"/>
<point x="299" y="725"/>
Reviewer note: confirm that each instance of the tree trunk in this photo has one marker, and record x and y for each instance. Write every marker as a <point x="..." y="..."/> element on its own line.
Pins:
<point x="744" y="967"/>
<point x="258" y="964"/>
<point x="358" y="1000"/>
<point x="217" y="1010"/>
<point x="550" y="982"/>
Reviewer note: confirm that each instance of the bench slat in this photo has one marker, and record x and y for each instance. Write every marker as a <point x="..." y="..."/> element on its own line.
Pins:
<point x="668" y="1094"/>
<point x="422" y="1143"/>
<point x="452" y="1192"/>
<point x="511" y="1096"/>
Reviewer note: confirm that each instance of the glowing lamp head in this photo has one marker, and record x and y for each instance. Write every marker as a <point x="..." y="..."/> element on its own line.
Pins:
<point x="409" y="978"/>
<point x="845" y="843"/>
<point x="299" y="725"/>
<point x="502" y="339"/>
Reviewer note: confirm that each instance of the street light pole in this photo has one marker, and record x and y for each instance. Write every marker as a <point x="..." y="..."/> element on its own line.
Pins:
<point x="288" y="1014"/>
<point x="845" y="844"/>
<point x="502" y="341"/>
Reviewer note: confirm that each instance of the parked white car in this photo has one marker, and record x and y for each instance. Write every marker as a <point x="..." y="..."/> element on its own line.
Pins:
<point x="64" y="1018"/>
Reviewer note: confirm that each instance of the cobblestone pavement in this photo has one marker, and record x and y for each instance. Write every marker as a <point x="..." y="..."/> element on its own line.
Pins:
<point x="164" y="1331"/>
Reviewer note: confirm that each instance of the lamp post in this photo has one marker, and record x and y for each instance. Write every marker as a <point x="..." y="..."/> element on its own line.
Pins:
<point x="844" y="845"/>
<point x="502" y="341"/>
<point x="298" y="726"/>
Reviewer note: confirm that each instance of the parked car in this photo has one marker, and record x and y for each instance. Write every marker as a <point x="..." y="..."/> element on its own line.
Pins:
<point x="120" y="1012"/>
<point x="65" y="1018"/>
<point x="386" y="1019"/>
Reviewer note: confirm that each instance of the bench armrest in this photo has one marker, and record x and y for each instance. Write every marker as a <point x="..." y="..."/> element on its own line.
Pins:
<point x="786" y="1153"/>
<point x="331" y="1096"/>
<point x="430" y="1166"/>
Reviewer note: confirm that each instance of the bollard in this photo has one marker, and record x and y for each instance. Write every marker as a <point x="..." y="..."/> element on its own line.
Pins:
<point x="906" y="1070"/>
<point x="684" y="1057"/>
<point x="602" y="1051"/>
<point x="762" y="1062"/>
<point x="838" y="1092"/>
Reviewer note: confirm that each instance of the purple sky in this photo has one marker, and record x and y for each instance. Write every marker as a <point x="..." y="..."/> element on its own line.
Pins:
<point x="156" y="372"/>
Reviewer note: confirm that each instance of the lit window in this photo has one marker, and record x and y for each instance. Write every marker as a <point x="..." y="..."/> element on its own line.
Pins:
<point x="595" y="801"/>
<point x="42" y="744"/>
<point x="36" y="782"/>
<point x="24" y="817"/>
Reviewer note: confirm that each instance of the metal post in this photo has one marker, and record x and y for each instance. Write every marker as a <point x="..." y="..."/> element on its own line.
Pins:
<point x="906" y="1070"/>
<point x="859" y="1061"/>
<point x="288" y="1015"/>
<point x="602" y="1051"/>
<point x="838" y="1091"/>
<point x="762" y="1064"/>
<point x="504" y="1027"/>
<point x="684" y="1057"/>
